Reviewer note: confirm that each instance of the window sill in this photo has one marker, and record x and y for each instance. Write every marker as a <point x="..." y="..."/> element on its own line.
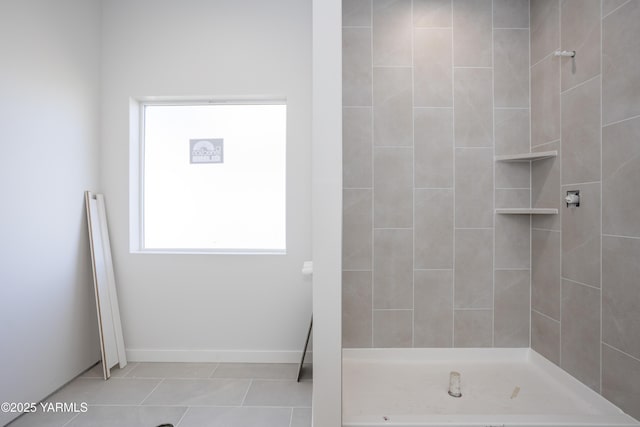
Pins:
<point x="209" y="252"/>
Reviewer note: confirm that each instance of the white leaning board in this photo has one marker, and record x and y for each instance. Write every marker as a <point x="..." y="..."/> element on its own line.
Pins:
<point x="111" y="338"/>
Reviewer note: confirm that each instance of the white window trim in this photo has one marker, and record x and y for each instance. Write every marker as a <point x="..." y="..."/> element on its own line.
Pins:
<point x="136" y="169"/>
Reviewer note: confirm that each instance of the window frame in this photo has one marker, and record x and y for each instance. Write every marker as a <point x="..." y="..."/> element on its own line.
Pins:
<point x="137" y="171"/>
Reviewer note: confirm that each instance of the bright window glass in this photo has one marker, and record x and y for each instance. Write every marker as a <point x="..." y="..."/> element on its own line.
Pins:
<point x="214" y="177"/>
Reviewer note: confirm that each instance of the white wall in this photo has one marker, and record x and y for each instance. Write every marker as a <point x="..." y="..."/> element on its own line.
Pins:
<point x="49" y="91"/>
<point x="209" y="307"/>
<point x="327" y="198"/>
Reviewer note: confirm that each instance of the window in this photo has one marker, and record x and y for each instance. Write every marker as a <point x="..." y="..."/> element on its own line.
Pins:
<point x="213" y="177"/>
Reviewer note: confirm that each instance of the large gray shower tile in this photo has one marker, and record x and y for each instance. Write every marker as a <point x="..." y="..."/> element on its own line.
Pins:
<point x="621" y="380"/>
<point x="474" y="268"/>
<point x="357" y="236"/>
<point x="580" y="333"/>
<point x="392" y="328"/>
<point x="433" y="318"/>
<point x="356" y="13"/>
<point x="357" y="147"/>
<point x="620" y="177"/>
<point x="581" y="133"/>
<point x="473" y="113"/>
<point x="357" y="306"/>
<point x="581" y="236"/>
<point x="392" y="106"/>
<point x="392" y="27"/>
<point x="512" y="241"/>
<point x="512" y="302"/>
<point x="432" y="13"/>
<point x="474" y="188"/>
<point x="621" y="293"/>
<point x="393" y="183"/>
<point x="434" y="229"/>
<point x="511" y="130"/>
<point x="511" y="68"/>
<point x="433" y="147"/>
<point x="510" y="13"/>
<point x="356" y="67"/>
<point x="580" y="31"/>
<point x="472" y="33"/>
<point x="545" y="272"/>
<point x="432" y="77"/>
<point x="545" y="101"/>
<point x="620" y="63"/>
<point x="472" y="328"/>
<point x="393" y="269"/>
<point x="545" y="336"/>
<point x="545" y="28"/>
<point x="545" y="188"/>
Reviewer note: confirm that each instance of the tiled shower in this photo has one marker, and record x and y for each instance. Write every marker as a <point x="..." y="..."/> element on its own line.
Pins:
<point x="433" y="91"/>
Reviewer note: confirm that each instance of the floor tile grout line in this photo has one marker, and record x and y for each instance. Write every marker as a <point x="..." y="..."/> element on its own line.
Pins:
<point x="193" y="406"/>
<point x="214" y="370"/>
<point x="184" y="414"/>
<point x="151" y="392"/>
<point x="130" y="371"/>
<point x="291" y="418"/>
<point x="69" y="422"/>
<point x="246" y="393"/>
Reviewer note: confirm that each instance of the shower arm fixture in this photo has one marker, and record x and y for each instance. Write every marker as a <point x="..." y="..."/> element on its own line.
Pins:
<point x="568" y="53"/>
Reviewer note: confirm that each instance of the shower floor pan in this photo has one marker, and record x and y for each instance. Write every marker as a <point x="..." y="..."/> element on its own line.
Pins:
<point x="500" y="388"/>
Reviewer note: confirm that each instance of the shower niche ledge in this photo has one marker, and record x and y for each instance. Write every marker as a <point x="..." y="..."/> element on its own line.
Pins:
<point x="527" y="211"/>
<point x="529" y="158"/>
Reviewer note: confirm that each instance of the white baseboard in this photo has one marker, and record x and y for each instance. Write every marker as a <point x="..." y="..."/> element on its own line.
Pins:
<point x="223" y="356"/>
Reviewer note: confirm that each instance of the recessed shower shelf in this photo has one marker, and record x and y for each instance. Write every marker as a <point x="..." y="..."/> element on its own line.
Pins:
<point x="527" y="211"/>
<point x="527" y="157"/>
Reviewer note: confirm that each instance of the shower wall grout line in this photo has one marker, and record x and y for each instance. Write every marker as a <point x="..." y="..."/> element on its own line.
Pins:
<point x="620" y="236"/>
<point x="620" y="121"/>
<point x="546" y="229"/>
<point x="493" y="169"/>
<point x="578" y="85"/>
<point x="580" y="183"/>
<point x="621" y="351"/>
<point x="548" y="55"/>
<point x="614" y="10"/>
<point x="559" y="65"/>
<point x="413" y="182"/>
<point x="545" y="315"/>
<point x="545" y="143"/>
<point x="373" y="175"/>
<point x="453" y="157"/>
<point x="601" y="21"/>
<point x="580" y="283"/>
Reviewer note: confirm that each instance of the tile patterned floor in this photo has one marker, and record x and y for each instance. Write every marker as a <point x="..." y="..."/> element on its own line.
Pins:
<point x="185" y="395"/>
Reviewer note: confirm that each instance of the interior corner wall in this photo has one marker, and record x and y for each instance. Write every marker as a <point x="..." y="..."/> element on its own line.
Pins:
<point x="178" y="307"/>
<point x="49" y="133"/>
<point x="585" y="288"/>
